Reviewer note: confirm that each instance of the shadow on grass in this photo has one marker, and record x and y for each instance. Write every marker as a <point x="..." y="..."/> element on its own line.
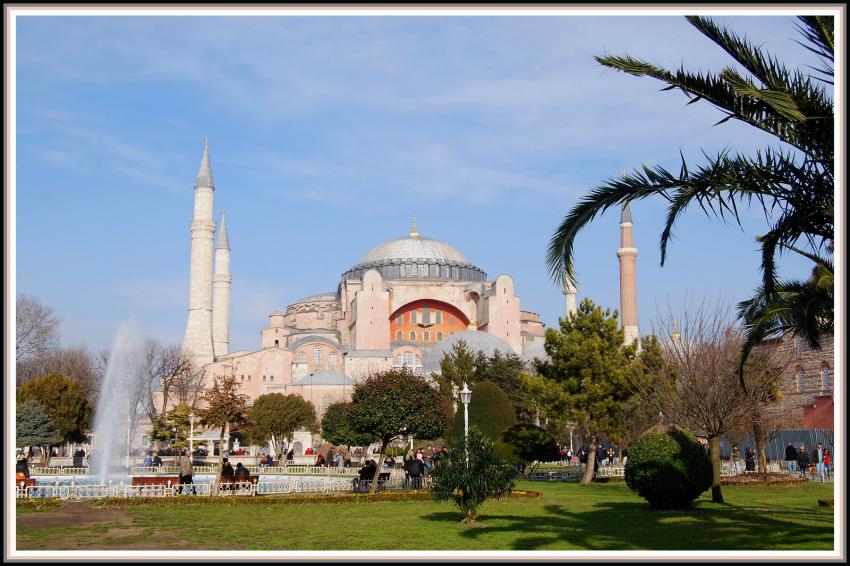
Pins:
<point x="627" y="525"/>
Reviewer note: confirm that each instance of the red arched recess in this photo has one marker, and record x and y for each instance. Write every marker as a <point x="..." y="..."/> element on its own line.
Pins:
<point x="436" y="318"/>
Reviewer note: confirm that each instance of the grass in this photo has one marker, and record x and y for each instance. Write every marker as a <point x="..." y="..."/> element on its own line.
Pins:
<point x="567" y="517"/>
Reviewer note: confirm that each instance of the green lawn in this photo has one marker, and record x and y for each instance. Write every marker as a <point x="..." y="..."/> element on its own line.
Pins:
<point x="568" y="517"/>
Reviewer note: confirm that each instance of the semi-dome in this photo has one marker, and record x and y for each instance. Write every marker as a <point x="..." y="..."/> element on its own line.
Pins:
<point x="476" y="340"/>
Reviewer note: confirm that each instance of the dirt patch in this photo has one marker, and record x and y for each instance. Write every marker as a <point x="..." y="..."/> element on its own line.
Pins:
<point x="72" y="514"/>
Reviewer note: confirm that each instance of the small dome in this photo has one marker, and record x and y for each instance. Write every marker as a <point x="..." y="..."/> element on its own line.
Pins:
<point x="534" y="349"/>
<point x="414" y="247"/>
<point x="475" y="341"/>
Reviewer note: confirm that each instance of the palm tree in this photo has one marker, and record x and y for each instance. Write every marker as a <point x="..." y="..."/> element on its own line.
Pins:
<point x="805" y="308"/>
<point x="793" y="182"/>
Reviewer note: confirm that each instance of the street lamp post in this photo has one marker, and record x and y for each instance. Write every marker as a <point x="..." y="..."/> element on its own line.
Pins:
<point x="465" y="396"/>
<point x="191" y="431"/>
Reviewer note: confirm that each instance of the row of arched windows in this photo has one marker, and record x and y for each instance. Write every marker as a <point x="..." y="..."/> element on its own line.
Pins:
<point x="426" y="336"/>
<point x="317" y="357"/>
<point x="825" y="380"/>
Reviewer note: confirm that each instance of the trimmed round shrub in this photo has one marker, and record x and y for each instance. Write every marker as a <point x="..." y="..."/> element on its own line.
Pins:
<point x="490" y="410"/>
<point x="668" y="467"/>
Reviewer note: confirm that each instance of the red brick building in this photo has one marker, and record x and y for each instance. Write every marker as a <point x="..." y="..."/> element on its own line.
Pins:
<point x="807" y="380"/>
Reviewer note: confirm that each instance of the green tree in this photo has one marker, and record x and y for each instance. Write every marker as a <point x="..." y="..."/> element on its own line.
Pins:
<point x="588" y="361"/>
<point x="64" y="401"/>
<point x="396" y="403"/>
<point x="336" y="427"/>
<point x="490" y="411"/>
<point x="647" y="374"/>
<point x="173" y="428"/>
<point x="793" y="183"/>
<point x="473" y="474"/>
<point x="224" y="406"/>
<point x="276" y="416"/>
<point x="524" y="443"/>
<point x="33" y="428"/>
<point x="505" y="370"/>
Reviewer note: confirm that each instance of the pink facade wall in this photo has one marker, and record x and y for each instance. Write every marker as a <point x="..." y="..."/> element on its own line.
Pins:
<point x="502" y="312"/>
<point x="372" y="319"/>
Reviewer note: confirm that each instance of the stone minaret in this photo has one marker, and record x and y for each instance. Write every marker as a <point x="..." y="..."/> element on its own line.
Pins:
<point x="570" y="295"/>
<point x="628" y="278"/>
<point x="221" y="293"/>
<point x="199" y="340"/>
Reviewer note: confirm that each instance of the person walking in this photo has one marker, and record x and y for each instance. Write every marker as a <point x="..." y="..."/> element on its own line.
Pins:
<point x="791" y="458"/>
<point x="803" y="461"/>
<point x="184" y="465"/>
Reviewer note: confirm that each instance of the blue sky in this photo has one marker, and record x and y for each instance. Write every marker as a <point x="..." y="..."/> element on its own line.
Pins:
<point x="327" y="134"/>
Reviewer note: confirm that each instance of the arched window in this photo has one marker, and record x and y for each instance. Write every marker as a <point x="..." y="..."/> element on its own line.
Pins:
<point x="277" y="343"/>
<point x="317" y="354"/>
<point x="327" y="400"/>
<point x="302" y="357"/>
<point x="408" y="359"/>
<point x="413" y="336"/>
<point x="439" y="336"/>
<point x="264" y="378"/>
<point x="438" y="317"/>
<point x="423" y="270"/>
<point x="412" y="317"/>
<point x="798" y="346"/>
<point x="824" y="378"/>
<point x="419" y="360"/>
<point x="801" y="380"/>
<point x="332" y="360"/>
<point x="427" y="336"/>
<point x="399" y="336"/>
<point x="398" y="361"/>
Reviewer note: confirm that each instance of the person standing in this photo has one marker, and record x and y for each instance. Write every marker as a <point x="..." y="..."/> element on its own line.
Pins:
<point x="827" y="460"/>
<point x="803" y="460"/>
<point x="817" y="460"/>
<point x="340" y="459"/>
<point x="736" y="457"/>
<point x="184" y="465"/>
<point x="791" y="458"/>
<point x="750" y="459"/>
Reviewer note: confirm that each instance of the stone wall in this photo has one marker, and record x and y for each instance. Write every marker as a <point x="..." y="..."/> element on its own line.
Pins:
<point x="793" y="355"/>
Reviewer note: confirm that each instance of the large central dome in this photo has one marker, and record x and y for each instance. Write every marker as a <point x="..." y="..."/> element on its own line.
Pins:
<point x="416" y="257"/>
<point x="414" y="247"/>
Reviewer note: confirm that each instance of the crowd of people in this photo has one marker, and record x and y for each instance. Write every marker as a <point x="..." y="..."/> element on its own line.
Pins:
<point x="816" y="464"/>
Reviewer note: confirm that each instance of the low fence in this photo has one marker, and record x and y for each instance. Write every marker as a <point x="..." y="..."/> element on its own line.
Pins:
<point x="208" y="469"/>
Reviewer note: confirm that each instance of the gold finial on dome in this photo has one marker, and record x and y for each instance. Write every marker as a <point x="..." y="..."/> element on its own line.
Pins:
<point x="413" y="232"/>
<point x="675" y="335"/>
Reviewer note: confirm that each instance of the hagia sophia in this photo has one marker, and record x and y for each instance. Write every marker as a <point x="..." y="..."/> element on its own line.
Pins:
<point x="405" y="304"/>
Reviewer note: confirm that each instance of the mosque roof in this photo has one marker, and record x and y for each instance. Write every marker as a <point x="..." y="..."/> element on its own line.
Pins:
<point x="327" y="296"/>
<point x="475" y="340"/>
<point x="324" y="377"/>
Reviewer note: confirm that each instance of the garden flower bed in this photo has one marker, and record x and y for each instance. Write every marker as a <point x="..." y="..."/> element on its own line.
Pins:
<point x="769" y="478"/>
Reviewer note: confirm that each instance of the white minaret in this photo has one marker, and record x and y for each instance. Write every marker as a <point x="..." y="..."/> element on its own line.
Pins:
<point x="628" y="278"/>
<point x="221" y="293"/>
<point x="199" y="341"/>
<point x="570" y="295"/>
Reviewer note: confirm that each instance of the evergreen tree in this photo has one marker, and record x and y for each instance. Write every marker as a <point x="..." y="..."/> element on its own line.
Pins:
<point x="489" y="409"/>
<point x="64" y="401"/>
<point x="589" y="362"/>
<point x="33" y="428"/>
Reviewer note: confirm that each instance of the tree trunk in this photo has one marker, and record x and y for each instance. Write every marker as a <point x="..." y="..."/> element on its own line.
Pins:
<point x="591" y="463"/>
<point x="374" y="486"/>
<point x="760" y="438"/>
<point x="714" y="450"/>
<point x="217" y="474"/>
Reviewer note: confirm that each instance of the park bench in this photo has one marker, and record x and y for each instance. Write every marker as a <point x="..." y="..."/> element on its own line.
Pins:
<point x="363" y="486"/>
<point x="155" y="480"/>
